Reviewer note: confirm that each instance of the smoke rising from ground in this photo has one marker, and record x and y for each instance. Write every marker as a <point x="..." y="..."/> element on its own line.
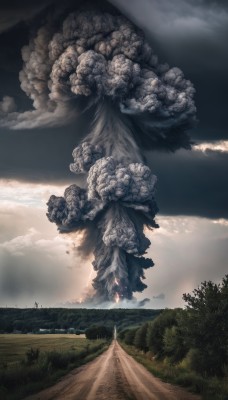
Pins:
<point x="100" y="60"/>
<point x="106" y="60"/>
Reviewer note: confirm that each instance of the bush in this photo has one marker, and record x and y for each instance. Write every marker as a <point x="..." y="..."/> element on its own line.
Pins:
<point x="156" y="331"/>
<point x="205" y="326"/>
<point x="57" y="360"/>
<point x="140" y="338"/>
<point x="122" y="333"/>
<point x="130" y="336"/>
<point x="32" y="355"/>
<point x="13" y="378"/>
<point x="99" y="332"/>
<point x="174" y="346"/>
<point x="23" y="379"/>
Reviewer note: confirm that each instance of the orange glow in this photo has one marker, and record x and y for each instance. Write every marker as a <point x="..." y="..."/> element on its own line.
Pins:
<point x="116" y="282"/>
<point x="117" y="298"/>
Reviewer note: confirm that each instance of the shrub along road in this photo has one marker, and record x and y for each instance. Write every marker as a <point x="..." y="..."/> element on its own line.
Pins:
<point x="115" y="376"/>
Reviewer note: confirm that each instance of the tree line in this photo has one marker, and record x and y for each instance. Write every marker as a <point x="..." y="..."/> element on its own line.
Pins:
<point x="197" y="334"/>
<point x="32" y="319"/>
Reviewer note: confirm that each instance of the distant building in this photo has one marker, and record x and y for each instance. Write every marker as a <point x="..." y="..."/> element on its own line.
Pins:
<point x="41" y="330"/>
<point x="71" y="330"/>
<point x="60" y="330"/>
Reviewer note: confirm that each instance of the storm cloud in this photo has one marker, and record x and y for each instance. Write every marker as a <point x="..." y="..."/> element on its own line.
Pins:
<point x="191" y="34"/>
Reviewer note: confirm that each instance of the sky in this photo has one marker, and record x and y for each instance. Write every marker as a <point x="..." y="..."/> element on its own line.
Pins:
<point x="39" y="264"/>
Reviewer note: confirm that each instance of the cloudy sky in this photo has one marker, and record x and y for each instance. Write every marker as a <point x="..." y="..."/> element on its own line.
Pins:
<point x="38" y="264"/>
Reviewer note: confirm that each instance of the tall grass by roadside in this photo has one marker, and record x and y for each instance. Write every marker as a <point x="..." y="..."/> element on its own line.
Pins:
<point x="14" y="346"/>
<point x="39" y="370"/>
<point x="208" y="388"/>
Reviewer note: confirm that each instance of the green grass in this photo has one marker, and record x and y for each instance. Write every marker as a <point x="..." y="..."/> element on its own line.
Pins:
<point x="209" y="389"/>
<point x="58" y="354"/>
<point x="13" y="347"/>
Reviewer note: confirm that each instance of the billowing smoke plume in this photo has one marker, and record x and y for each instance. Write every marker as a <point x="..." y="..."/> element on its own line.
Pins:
<point x="137" y="102"/>
<point x="100" y="60"/>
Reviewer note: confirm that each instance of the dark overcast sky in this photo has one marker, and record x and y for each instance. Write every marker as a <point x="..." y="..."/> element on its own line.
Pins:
<point x="189" y="34"/>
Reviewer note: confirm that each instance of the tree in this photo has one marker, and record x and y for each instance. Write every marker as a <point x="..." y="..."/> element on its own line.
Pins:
<point x="129" y="336"/>
<point x="174" y="343"/>
<point x="156" y="331"/>
<point x="99" y="332"/>
<point x="205" y="326"/>
<point x="122" y="333"/>
<point x="140" y="338"/>
<point x="32" y="356"/>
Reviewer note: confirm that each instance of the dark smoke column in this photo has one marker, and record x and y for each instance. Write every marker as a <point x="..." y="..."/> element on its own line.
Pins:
<point x="139" y="103"/>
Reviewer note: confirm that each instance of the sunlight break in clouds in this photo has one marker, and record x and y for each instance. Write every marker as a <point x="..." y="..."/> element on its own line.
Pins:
<point x="29" y="194"/>
<point x="186" y="251"/>
<point x="36" y="263"/>
<point x="218" y="145"/>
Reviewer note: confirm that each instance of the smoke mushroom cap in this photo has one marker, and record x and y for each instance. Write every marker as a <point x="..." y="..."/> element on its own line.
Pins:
<point x="95" y="55"/>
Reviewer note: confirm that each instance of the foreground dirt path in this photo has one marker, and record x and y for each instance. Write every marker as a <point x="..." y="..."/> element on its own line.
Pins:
<point x="112" y="376"/>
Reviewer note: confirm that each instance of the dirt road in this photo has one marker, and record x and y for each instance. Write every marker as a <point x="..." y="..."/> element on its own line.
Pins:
<point x="112" y="376"/>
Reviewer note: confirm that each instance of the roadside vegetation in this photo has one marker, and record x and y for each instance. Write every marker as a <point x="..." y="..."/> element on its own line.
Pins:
<point x="14" y="347"/>
<point x="99" y="332"/>
<point x="188" y="346"/>
<point x="26" y="370"/>
<point x="36" y="349"/>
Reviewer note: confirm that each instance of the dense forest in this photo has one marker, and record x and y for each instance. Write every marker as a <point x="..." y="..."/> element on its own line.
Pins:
<point x="192" y="342"/>
<point x="53" y="319"/>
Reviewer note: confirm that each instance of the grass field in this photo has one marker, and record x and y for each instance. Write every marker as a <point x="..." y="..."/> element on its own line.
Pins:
<point x="55" y="355"/>
<point x="14" y="347"/>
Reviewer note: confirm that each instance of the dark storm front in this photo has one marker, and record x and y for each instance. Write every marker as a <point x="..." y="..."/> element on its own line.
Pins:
<point x="100" y="60"/>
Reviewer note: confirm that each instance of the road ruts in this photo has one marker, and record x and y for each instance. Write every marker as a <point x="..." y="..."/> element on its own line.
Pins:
<point x="112" y="376"/>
